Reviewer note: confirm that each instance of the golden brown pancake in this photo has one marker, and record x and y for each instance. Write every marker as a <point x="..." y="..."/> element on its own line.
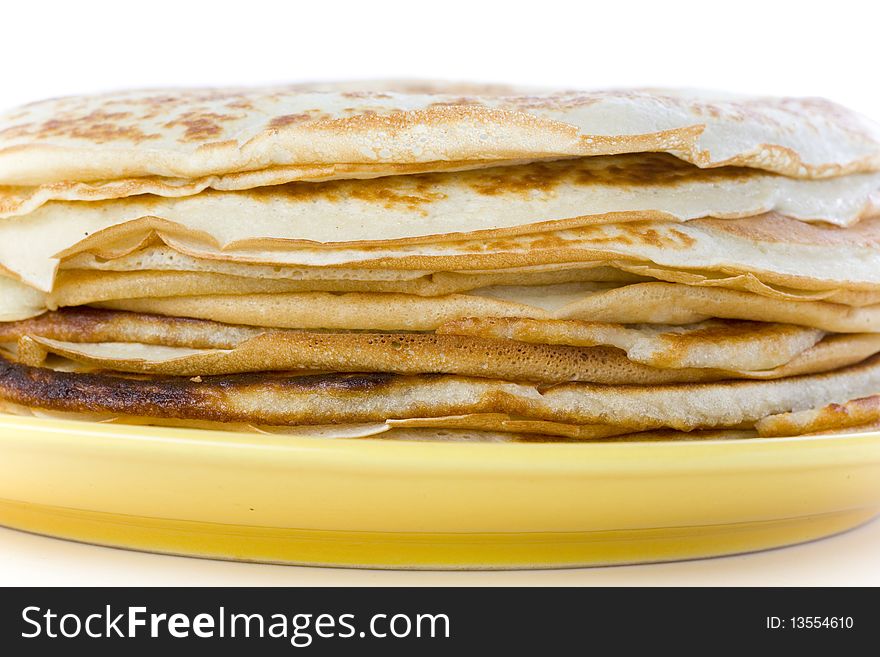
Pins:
<point x="267" y="398"/>
<point x="186" y="134"/>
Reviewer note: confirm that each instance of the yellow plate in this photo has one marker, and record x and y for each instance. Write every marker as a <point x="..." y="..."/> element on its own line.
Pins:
<point x="389" y="504"/>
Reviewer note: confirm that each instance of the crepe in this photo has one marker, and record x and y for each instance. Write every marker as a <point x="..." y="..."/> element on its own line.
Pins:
<point x="681" y="304"/>
<point x="748" y="282"/>
<point x="726" y="344"/>
<point x="492" y="427"/>
<point x="731" y="345"/>
<point x="777" y="250"/>
<point x="863" y="412"/>
<point x="772" y="247"/>
<point x="702" y="352"/>
<point x="416" y="354"/>
<point x="551" y="290"/>
<point x="192" y="133"/>
<point x="151" y="260"/>
<point x="639" y="303"/>
<point x="19" y="301"/>
<point x="480" y="203"/>
<point x="17" y="200"/>
<point x="441" y="429"/>
<point x="282" y="229"/>
<point x="424" y="429"/>
<point x="161" y="269"/>
<point x="82" y="287"/>
<point x="269" y="399"/>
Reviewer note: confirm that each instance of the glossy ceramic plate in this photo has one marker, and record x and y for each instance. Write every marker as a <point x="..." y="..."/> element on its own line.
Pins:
<point x="375" y="503"/>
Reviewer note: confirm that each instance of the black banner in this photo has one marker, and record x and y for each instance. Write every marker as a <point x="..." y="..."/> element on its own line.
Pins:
<point x="279" y="621"/>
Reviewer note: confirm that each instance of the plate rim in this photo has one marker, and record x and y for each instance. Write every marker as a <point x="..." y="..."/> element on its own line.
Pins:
<point x="536" y="457"/>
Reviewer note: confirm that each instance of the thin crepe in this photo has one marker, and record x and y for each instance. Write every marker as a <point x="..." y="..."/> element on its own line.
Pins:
<point x="862" y="412"/>
<point x="19" y="301"/>
<point x="545" y="289"/>
<point x="479" y="427"/>
<point x="639" y="303"/>
<point x="422" y="354"/>
<point x="748" y="282"/>
<point x="778" y="250"/>
<point x="439" y="354"/>
<point x="281" y="399"/>
<point x="479" y="203"/>
<point x="192" y="133"/>
<point x="720" y="344"/>
<point x="122" y="341"/>
<point x="81" y="287"/>
<point x="17" y="200"/>
<point x="152" y="261"/>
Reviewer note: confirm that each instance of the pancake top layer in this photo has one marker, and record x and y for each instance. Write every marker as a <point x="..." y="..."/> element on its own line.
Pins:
<point x="190" y="133"/>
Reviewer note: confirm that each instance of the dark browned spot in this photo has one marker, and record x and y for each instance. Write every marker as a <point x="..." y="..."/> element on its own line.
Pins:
<point x="389" y="198"/>
<point x="538" y="177"/>
<point x="171" y="396"/>
<point x="621" y="171"/>
<point x="557" y="101"/>
<point x="643" y="233"/>
<point x="240" y="104"/>
<point x="97" y="126"/>
<point x="330" y="383"/>
<point x="411" y="192"/>
<point x="200" y="125"/>
<point x="660" y="169"/>
<point x="86" y="392"/>
<point x="287" y="119"/>
<point x="16" y="131"/>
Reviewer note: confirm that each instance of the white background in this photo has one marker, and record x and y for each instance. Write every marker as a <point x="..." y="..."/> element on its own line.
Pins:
<point x="766" y="47"/>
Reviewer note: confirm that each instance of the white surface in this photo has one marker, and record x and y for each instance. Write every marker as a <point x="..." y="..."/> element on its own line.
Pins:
<point x="787" y="48"/>
<point x="760" y="46"/>
<point x="848" y="559"/>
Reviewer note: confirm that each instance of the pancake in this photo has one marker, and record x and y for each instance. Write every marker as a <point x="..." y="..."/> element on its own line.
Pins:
<point x="495" y="427"/>
<point x="82" y="287"/>
<point x="19" y="301"/>
<point x="93" y="325"/>
<point x="17" y="200"/>
<point x="151" y="263"/>
<point x="282" y="399"/>
<point x="490" y="202"/>
<point x="702" y="352"/>
<point x="366" y="352"/>
<point x="551" y="290"/>
<point x="639" y="303"/>
<point x="778" y="250"/>
<point x="682" y="304"/>
<point x="192" y="133"/>
<point x="731" y="344"/>
<point x="856" y="413"/>
<point x="748" y="282"/>
<point x="438" y="354"/>
<point x="500" y="422"/>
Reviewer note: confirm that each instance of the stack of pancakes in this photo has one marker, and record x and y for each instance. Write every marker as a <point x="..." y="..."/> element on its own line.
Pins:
<point x="462" y="263"/>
